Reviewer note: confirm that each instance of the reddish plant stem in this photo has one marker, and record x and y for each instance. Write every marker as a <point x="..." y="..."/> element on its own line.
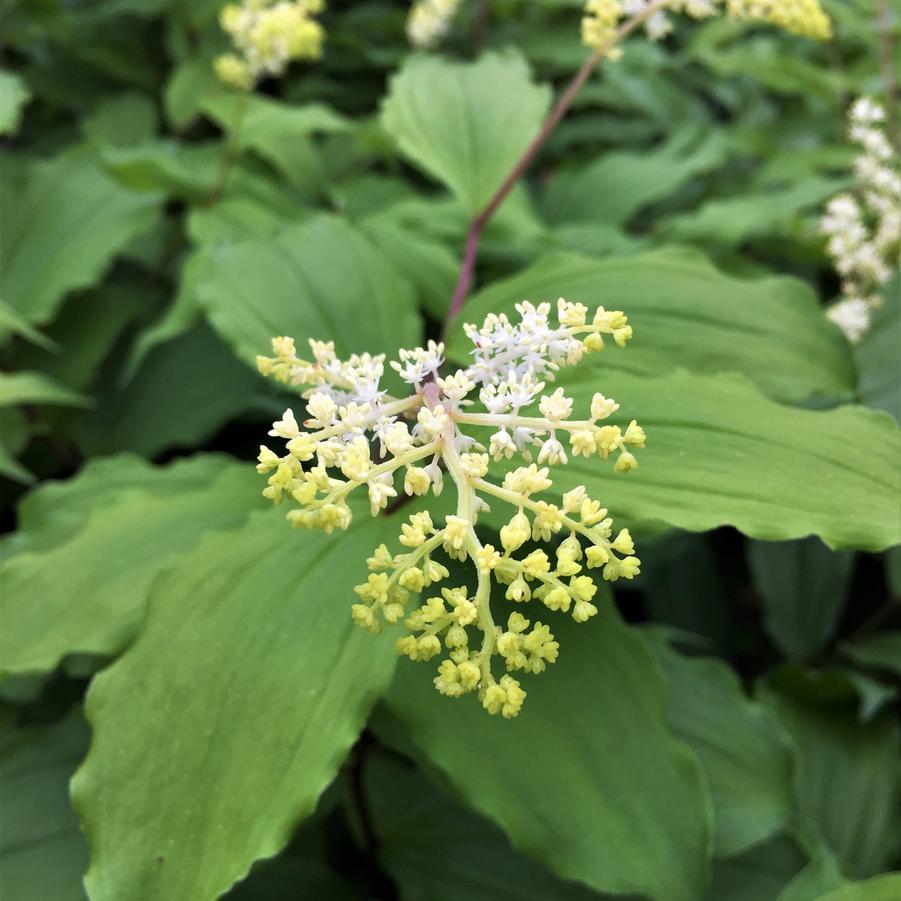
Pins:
<point x="464" y="280"/>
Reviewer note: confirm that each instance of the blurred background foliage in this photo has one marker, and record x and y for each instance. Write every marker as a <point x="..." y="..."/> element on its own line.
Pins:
<point x="728" y="727"/>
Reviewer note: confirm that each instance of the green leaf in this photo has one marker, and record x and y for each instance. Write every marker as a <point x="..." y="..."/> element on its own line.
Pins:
<point x="11" y="468"/>
<point x="250" y="683"/>
<point x="759" y="874"/>
<point x="320" y="280"/>
<point x="47" y="251"/>
<point x="746" y="763"/>
<point x="586" y="779"/>
<point x="14" y="323"/>
<point x="42" y="852"/>
<point x="616" y="186"/>
<point x="880" y="651"/>
<point x="36" y="388"/>
<point x="820" y="875"/>
<point x="184" y="391"/>
<point x="56" y="511"/>
<point x="880" y="888"/>
<point x="427" y="263"/>
<point x="14" y="95"/>
<point x="86" y="594"/>
<point x="803" y="586"/>
<point x="279" y="133"/>
<point x="846" y="775"/>
<point x="686" y="313"/>
<point x="877" y="354"/>
<point x="761" y="214"/>
<point x="437" y="850"/>
<point x="87" y="329"/>
<point x="683" y="587"/>
<point x="720" y="453"/>
<point x="466" y="124"/>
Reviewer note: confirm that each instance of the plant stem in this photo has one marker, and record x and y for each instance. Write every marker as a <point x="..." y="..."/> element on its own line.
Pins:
<point x="560" y="109"/>
<point x="232" y="149"/>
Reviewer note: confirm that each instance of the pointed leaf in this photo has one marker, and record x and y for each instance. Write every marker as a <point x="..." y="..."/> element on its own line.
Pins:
<point x="46" y="251"/>
<point x="686" y="313"/>
<point x="320" y="280"/>
<point x="36" y="388"/>
<point x="250" y="682"/>
<point x="86" y="595"/>
<point x="720" y="453"/>
<point x="466" y="124"/>
<point x="586" y="779"/>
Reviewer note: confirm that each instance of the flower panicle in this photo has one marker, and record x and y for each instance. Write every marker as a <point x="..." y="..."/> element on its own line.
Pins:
<point x="863" y="226"/>
<point x="268" y="35"/>
<point x="449" y="429"/>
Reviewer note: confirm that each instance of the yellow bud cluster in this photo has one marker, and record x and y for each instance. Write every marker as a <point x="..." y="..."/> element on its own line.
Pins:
<point x="268" y="35"/>
<point x="354" y="435"/>
<point x="802" y="17"/>
<point x="605" y="21"/>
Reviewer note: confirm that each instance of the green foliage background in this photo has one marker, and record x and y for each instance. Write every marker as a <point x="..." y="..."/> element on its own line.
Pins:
<point x="185" y="702"/>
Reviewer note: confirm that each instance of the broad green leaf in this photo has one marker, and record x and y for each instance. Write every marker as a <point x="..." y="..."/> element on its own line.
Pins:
<point x="687" y="313"/>
<point x="250" y="682"/>
<point x="36" y="388"/>
<point x="761" y="214"/>
<point x="124" y="120"/>
<point x="466" y="124"/>
<point x="427" y="263"/>
<point x="56" y="510"/>
<point x="183" y="392"/>
<point x="320" y="280"/>
<point x="846" y="776"/>
<point x="14" y="95"/>
<point x="709" y="463"/>
<point x="803" y="586"/>
<point x="746" y="763"/>
<point x="43" y="854"/>
<point x="279" y="133"/>
<point x="877" y="355"/>
<point x="437" y="850"/>
<point x="720" y="453"/>
<point x="46" y="250"/>
<point x="185" y="171"/>
<point x="616" y="186"/>
<point x="587" y="778"/>
<point x="879" y="888"/>
<point x="86" y="594"/>
<point x="881" y="651"/>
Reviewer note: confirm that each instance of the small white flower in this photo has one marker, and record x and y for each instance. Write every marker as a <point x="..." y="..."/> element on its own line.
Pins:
<point x="286" y="427"/>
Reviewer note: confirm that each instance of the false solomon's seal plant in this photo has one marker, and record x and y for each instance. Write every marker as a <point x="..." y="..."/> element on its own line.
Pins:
<point x="355" y="435"/>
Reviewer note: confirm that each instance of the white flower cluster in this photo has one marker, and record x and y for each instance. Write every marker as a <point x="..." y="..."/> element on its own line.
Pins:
<point x="430" y="20"/>
<point x="864" y="227"/>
